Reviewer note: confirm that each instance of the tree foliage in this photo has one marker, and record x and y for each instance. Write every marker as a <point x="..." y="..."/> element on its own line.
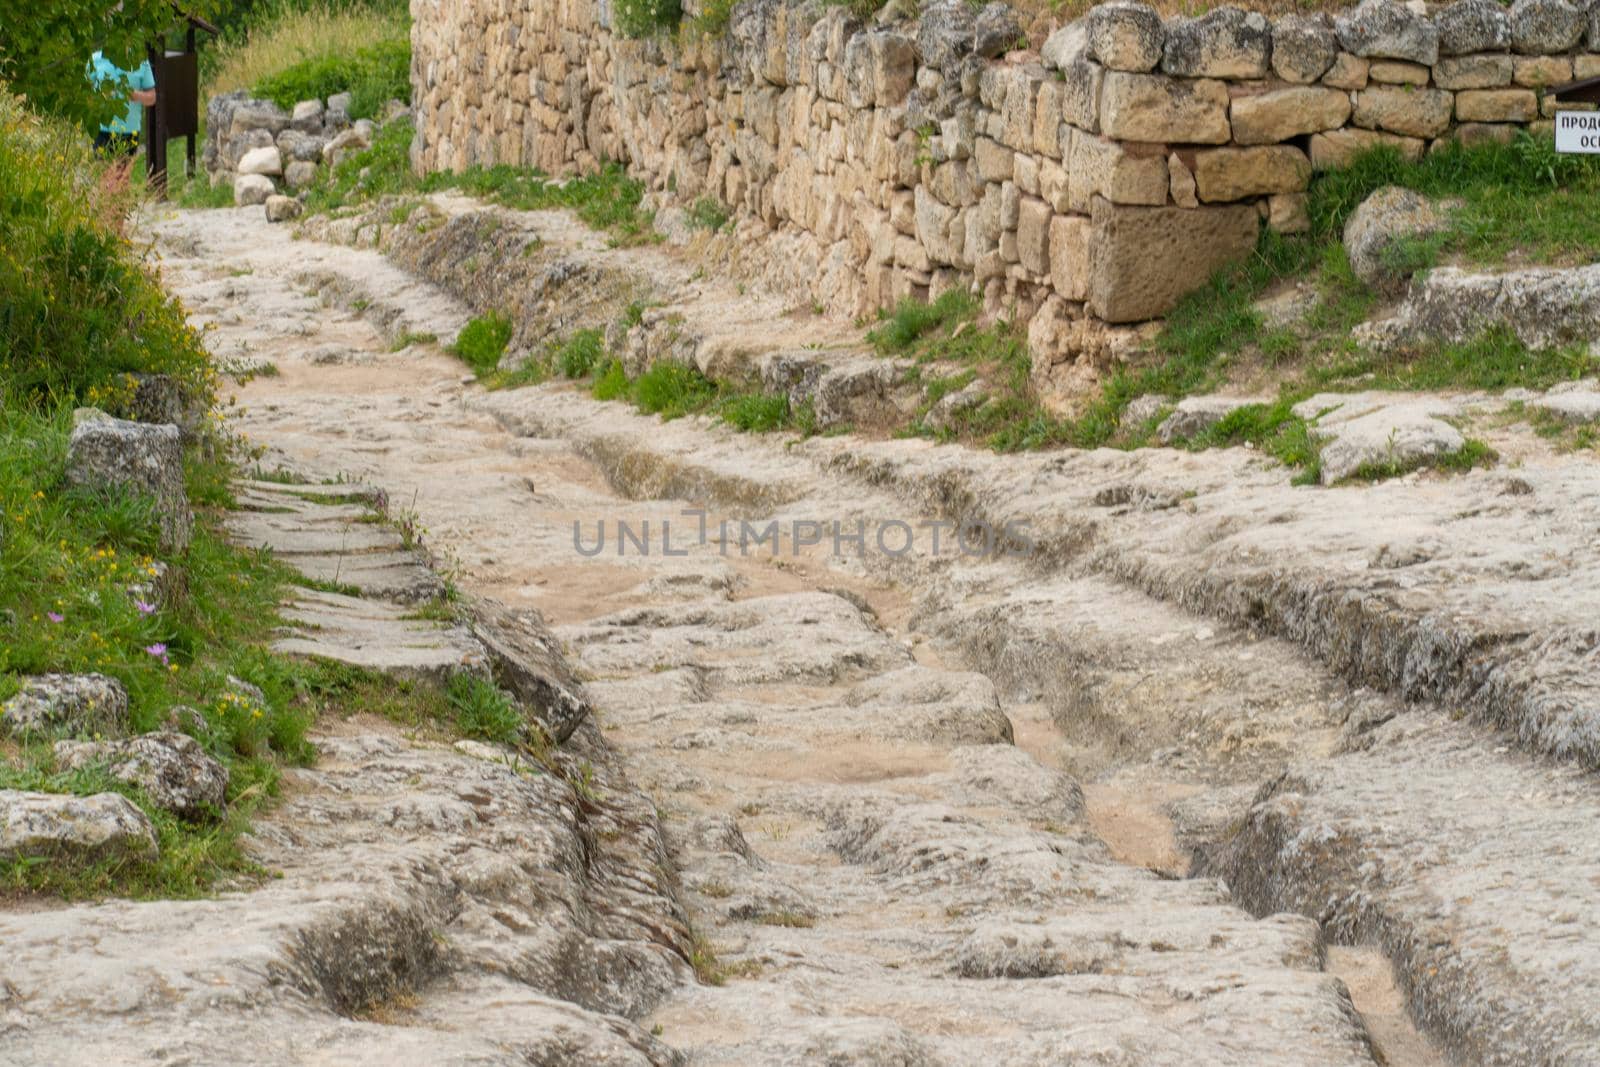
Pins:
<point x="45" y="46"/>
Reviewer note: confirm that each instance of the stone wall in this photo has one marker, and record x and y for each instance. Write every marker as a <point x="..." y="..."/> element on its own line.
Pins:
<point x="1091" y="182"/>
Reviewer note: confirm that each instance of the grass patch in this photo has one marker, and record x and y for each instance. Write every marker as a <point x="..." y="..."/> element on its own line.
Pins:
<point x="644" y="18"/>
<point x="482" y="342"/>
<point x="606" y="200"/>
<point x="483" y="710"/>
<point x="708" y="214"/>
<point x="299" y="51"/>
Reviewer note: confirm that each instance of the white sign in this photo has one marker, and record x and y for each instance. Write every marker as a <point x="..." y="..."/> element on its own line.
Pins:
<point x="1578" y="131"/>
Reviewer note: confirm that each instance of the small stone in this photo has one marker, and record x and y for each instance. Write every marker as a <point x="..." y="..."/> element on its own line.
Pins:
<point x="70" y="703"/>
<point x="1303" y="48"/>
<point x="1384" y="29"/>
<point x="267" y="160"/>
<point x="283" y="208"/>
<point x="1380" y="227"/>
<point x="1125" y="35"/>
<point x="1180" y="183"/>
<point x="1398" y="72"/>
<point x="252" y="189"/>
<point x="1348" y="72"/>
<point x="58" y="826"/>
<point x="300" y="174"/>
<point x="306" y="116"/>
<point x="1069" y="256"/>
<point x="1223" y="43"/>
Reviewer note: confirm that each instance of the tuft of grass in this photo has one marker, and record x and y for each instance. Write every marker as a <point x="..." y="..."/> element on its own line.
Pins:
<point x="709" y="214"/>
<point x="672" y="389"/>
<point x="757" y="412"/>
<point x="482" y="342"/>
<point x="483" y="710"/>
<point x="580" y="354"/>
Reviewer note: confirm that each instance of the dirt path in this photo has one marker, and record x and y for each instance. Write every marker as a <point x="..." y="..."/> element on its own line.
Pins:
<point x="869" y="768"/>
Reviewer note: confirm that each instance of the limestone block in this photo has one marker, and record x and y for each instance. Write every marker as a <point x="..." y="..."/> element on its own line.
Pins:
<point x="1151" y="107"/>
<point x="1033" y="235"/>
<point x="1468" y="26"/>
<point x="1053" y="183"/>
<point x="1125" y="35"/>
<point x="1078" y="93"/>
<point x="1413" y="112"/>
<point x="1473" y="72"/>
<point x="1223" y="43"/>
<point x="1286" y="213"/>
<point x="1544" y="27"/>
<point x="1537" y="72"/>
<point x="1180" y="182"/>
<point x="1398" y="72"/>
<point x="880" y="67"/>
<point x="1047" y="120"/>
<point x="1347" y="72"/>
<point x="1303" y="47"/>
<point x="1267" y="118"/>
<point x="933" y="226"/>
<point x="1471" y="133"/>
<point x="266" y="160"/>
<point x="1025" y="172"/>
<point x="1497" y="105"/>
<point x="1386" y="29"/>
<point x="1069" y="256"/>
<point x="1017" y="115"/>
<point x="1121" y="173"/>
<point x="993" y="160"/>
<point x="1146" y="258"/>
<point x="1224" y="174"/>
<point x="1337" y="148"/>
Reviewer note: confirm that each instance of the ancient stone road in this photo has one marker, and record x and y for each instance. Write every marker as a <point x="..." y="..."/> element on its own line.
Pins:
<point x="922" y="809"/>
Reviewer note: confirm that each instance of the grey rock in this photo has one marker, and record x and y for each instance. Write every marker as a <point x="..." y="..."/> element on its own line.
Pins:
<point x="1577" y="402"/>
<point x="1303" y="47"/>
<point x="340" y="102"/>
<point x="526" y="658"/>
<point x="1399" y="436"/>
<point x="1196" y="414"/>
<point x="250" y="114"/>
<point x="252" y="189"/>
<point x="1384" y="29"/>
<point x="944" y="33"/>
<point x="1468" y="26"/>
<point x="307" y="116"/>
<point x="1226" y="42"/>
<point x="1141" y="409"/>
<point x="344" y="145"/>
<point x="1070" y="44"/>
<point x="950" y="407"/>
<point x="395" y="109"/>
<point x="71" y="703"/>
<point x="1378" y="231"/>
<point x="298" y="146"/>
<point x="161" y="399"/>
<point x="1125" y="35"/>
<point x="1544" y="307"/>
<point x="1545" y="27"/>
<point x="59" y="826"/>
<point x="172" y="768"/>
<point x="116" y="455"/>
<point x="283" y="208"/>
<point x="300" y="174"/>
<point x="995" y="31"/>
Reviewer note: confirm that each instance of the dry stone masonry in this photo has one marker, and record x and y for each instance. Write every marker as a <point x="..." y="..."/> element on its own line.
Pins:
<point x="1091" y="182"/>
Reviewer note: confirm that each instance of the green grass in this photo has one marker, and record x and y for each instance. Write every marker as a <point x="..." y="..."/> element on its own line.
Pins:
<point x="482" y="342"/>
<point x="483" y="710"/>
<point x="580" y="354"/>
<point x="372" y="76"/>
<point x="644" y="18"/>
<point x="606" y="200"/>
<point x="708" y="214"/>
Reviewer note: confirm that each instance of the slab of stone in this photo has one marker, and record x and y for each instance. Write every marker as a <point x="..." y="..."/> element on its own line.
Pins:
<point x="1403" y="434"/>
<point x="527" y="660"/>
<point x="1577" y="402"/>
<point x="309" y="532"/>
<point x="1545" y="307"/>
<point x="1147" y="258"/>
<point x="376" y="636"/>
<point x="1271" y="117"/>
<point x="60" y="826"/>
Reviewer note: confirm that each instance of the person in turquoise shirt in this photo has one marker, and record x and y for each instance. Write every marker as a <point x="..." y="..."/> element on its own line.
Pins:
<point x="121" y="135"/>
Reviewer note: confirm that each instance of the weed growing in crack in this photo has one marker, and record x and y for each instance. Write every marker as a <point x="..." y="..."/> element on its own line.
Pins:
<point x="483" y="710"/>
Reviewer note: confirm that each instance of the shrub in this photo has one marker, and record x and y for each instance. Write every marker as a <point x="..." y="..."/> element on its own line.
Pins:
<point x="372" y="76"/>
<point x="641" y="18"/>
<point x="580" y="354"/>
<point x="79" y="314"/>
<point x="483" y="341"/>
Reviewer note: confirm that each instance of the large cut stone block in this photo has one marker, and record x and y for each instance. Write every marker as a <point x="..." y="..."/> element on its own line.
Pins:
<point x="1097" y="167"/>
<point x="1268" y="118"/>
<point x="1150" y="107"/>
<point x="1412" y="112"/>
<point x="1223" y="174"/>
<point x="1143" y="259"/>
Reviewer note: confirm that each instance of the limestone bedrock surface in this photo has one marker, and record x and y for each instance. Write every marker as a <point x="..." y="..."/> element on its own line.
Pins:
<point x="926" y="807"/>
